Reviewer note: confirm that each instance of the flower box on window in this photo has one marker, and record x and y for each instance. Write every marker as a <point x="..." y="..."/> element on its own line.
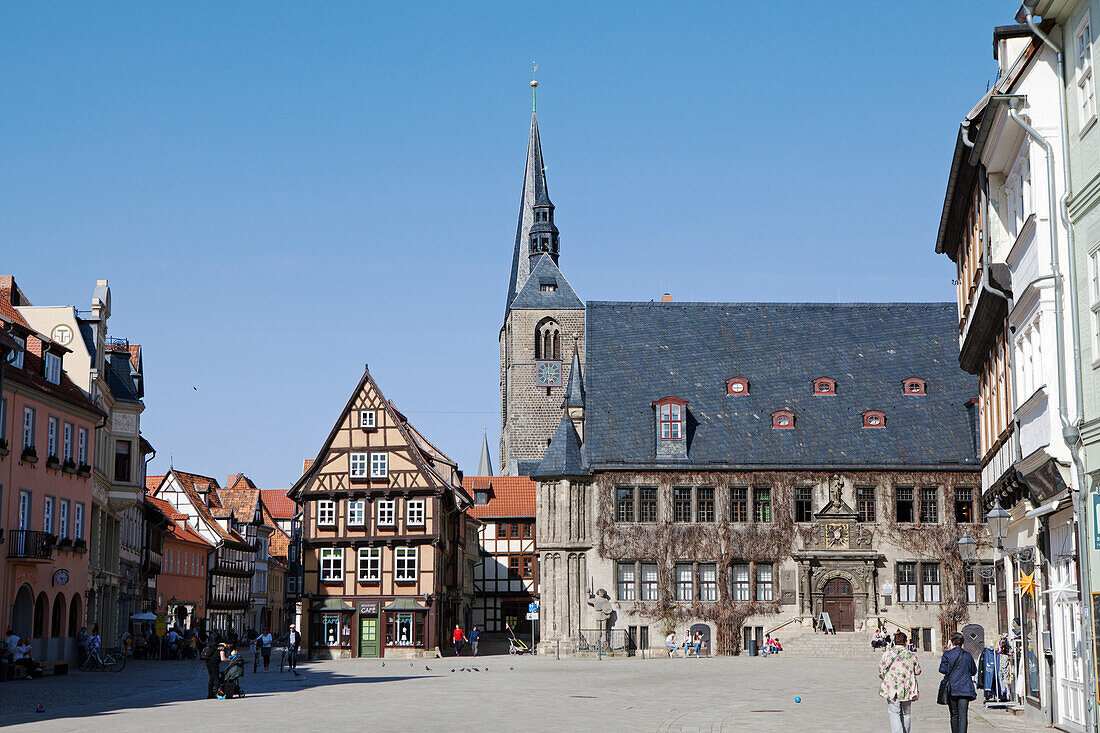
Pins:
<point x="53" y="462"/>
<point x="84" y="470"/>
<point x="69" y="466"/>
<point x="65" y="544"/>
<point x="29" y="455"/>
<point x="79" y="545"/>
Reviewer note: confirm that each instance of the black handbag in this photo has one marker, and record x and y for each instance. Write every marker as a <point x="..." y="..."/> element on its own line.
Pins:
<point x="942" y="695"/>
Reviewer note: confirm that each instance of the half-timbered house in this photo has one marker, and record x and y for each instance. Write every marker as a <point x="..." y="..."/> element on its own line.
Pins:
<point x="384" y="536"/>
<point x="507" y="575"/>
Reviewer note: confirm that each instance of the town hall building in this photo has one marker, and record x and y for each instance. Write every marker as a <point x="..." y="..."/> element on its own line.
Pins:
<point x="737" y="469"/>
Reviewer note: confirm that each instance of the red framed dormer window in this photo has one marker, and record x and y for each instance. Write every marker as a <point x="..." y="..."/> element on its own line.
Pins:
<point x="737" y="386"/>
<point x="874" y="419"/>
<point x="670" y="418"/>
<point x="824" y="386"/>
<point x="783" y="420"/>
<point x="915" y="386"/>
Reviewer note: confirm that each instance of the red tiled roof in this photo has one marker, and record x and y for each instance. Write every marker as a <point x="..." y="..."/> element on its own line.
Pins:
<point x="241" y="501"/>
<point x="278" y="503"/>
<point x="205" y="504"/>
<point x="177" y="522"/>
<point x="152" y="482"/>
<point x="509" y="496"/>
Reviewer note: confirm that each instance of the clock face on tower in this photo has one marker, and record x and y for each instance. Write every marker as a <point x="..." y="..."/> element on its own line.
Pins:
<point x="548" y="373"/>
<point x="836" y="535"/>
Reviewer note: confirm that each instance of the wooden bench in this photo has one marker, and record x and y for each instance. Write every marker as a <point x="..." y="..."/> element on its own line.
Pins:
<point x="59" y="666"/>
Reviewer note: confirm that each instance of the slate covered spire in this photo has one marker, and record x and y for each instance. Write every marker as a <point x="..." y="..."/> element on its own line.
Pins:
<point x="485" y="465"/>
<point x="574" y="392"/>
<point x="536" y="233"/>
<point x="565" y="456"/>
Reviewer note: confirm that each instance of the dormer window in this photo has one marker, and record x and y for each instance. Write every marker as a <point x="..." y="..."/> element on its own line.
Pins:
<point x="782" y="420"/>
<point x="824" y="386"/>
<point x="481" y="498"/>
<point x="737" y="386"/>
<point x="53" y="368"/>
<point x="548" y="286"/>
<point x="17" y="363"/>
<point x="915" y="386"/>
<point x="670" y="413"/>
<point x="874" y="419"/>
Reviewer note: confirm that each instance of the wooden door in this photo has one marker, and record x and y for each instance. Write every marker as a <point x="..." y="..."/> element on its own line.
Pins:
<point x="838" y="603"/>
<point x="368" y="636"/>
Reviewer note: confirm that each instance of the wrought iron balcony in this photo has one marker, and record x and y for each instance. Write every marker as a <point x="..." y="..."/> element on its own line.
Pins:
<point x="30" y="544"/>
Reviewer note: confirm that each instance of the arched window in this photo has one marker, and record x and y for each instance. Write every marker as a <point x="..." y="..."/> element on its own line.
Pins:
<point x="548" y="339"/>
<point x="57" y="620"/>
<point x="41" y="609"/>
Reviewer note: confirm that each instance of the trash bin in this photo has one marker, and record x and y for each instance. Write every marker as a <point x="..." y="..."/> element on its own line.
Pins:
<point x="752" y="648"/>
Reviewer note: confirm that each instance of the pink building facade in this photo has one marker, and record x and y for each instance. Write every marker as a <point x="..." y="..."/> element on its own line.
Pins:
<point x="47" y="432"/>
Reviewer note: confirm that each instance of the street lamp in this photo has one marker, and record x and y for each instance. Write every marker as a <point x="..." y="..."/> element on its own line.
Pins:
<point x="997" y="520"/>
<point x="967" y="547"/>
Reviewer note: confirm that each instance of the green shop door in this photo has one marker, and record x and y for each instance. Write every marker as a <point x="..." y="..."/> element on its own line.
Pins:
<point x="368" y="630"/>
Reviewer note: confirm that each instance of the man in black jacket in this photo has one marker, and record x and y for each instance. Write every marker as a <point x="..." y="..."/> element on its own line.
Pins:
<point x="958" y="669"/>
<point x="212" y="654"/>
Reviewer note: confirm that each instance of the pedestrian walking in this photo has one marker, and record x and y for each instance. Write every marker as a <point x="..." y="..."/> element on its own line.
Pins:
<point x="265" y="640"/>
<point x="459" y="636"/>
<point x="898" y="671"/>
<point x="293" y="642"/>
<point x="957" y="687"/>
<point x="82" y="644"/>
<point x="475" y="637"/>
<point x="212" y="655"/>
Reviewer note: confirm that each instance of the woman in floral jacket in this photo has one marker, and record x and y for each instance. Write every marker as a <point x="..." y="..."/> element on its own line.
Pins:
<point x="898" y="671"/>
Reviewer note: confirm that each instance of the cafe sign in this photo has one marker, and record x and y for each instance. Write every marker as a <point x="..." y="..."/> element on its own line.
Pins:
<point x="368" y="609"/>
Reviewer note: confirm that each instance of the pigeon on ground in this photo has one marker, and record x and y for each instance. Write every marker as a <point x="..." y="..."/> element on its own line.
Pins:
<point x="410" y="664"/>
<point x="427" y="668"/>
<point x="383" y="664"/>
<point x="511" y="668"/>
<point x="452" y="670"/>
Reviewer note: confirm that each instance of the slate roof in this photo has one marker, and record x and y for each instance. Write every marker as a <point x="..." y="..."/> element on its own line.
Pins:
<point x="565" y="456"/>
<point x="509" y="496"/>
<point x="534" y="186"/>
<point x="574" y="391"/>
<point x="532" y="296"/>
<point x="119" y="379"/>
<point x="640" y="352"/>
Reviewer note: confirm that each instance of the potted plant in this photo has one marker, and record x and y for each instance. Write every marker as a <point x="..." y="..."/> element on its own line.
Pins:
<point x="69" y="466"/>
<point x="30" y="455"/>
<point x="53" y="462"/>
<point x="84" y="470"/>
<point x="65" y="544"/>
<point x="79" y="545"/>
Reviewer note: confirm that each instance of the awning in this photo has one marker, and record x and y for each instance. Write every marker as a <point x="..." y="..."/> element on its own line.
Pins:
<point x="332" y="604"/>
<point x="143" y="617"/>
<point x="405" y="604"/>
<point x="1049" y="508"/>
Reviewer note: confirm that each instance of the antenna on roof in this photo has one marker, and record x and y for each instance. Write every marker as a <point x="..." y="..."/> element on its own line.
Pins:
<point x="534" y="85"/>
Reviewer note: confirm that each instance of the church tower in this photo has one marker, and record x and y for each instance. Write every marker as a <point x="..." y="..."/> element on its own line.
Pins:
<point x="543" y="319"/>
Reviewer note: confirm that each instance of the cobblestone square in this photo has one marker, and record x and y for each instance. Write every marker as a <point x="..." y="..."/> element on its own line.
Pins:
<point x="507" y="693"/>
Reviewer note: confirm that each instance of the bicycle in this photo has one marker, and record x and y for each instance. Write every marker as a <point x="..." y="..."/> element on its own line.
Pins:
<point x="287" y="659"/>
<point x="112" y="660"/>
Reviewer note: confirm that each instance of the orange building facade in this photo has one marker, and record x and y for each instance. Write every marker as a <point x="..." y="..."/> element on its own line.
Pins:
<point x="181" y="583"/>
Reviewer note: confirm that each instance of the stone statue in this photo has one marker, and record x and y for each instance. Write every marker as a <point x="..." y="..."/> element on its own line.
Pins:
<point x="601" y="604"/>
<point x="836" y="487"/>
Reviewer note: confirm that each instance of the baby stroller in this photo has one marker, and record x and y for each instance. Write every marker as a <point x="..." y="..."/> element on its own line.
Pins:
<point x="229" y="685"/>
<point x="516" y="645"/>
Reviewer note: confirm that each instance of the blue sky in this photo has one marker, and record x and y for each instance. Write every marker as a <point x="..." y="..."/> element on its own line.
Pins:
<point x="280" y="193"/>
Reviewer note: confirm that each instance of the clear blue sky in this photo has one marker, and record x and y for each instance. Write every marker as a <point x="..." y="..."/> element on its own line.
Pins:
<point x="280" y="193"/>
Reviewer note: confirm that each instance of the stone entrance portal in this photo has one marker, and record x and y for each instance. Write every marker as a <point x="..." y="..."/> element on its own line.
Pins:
<point x="837" y="601"/>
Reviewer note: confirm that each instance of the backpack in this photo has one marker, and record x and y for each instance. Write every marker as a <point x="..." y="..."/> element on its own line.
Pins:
<point x="210" y="651"/>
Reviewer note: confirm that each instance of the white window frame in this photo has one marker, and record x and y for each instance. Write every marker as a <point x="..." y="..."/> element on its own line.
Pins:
<point x="25" y="504"/>
<point x="28" y="427"/>
<point x="18" y="363"/>
<point x="326" y="513"/>
<point x="414" y="512"/>
<point x="51" y="435"/>
<point x="67" y="442"/>
<point x="82" y="446"/>
<point x="357" y="512"/>
<point x="370" y="564"/>
<point x="331" y="564"/>
<point x="1094" y="301"/>
<point x="765" y="587"/>
<point x="379" y="465"/>
<point x="387" y="509"/>
<point x="1086" y="85"/>
<point x="367" y="419"/>
<point x="405" y="561"/>
<point x="53" y="368"/>
<point x="63" y="520"/>
<point x="1018" y="192"/>
<point x="47" y="515"/>
<point x="357" y="465"/>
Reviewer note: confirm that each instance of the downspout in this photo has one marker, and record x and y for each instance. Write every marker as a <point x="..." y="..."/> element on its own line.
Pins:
<point x="1070" y="432"/>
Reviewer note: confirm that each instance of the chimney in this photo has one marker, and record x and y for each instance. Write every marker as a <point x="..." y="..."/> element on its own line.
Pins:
<point x="307" y="464"/>
<point x="666" y="298"/>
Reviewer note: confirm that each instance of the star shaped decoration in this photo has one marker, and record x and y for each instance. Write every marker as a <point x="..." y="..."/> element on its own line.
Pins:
<point x="1062" y="591"/>
<point x="1027" y="583"/>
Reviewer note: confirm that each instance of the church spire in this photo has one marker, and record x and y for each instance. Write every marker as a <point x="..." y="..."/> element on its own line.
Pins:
<point x="536" y="233"/>
<point x="485" y="466"/>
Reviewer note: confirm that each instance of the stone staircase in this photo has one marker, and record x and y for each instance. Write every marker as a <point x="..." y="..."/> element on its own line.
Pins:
<point x="841" y="645"/>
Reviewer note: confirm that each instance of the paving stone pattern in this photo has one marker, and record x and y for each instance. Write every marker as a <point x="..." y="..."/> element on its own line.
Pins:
<point x="508" y="693"/>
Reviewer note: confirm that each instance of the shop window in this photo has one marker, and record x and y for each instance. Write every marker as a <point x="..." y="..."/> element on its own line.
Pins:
<point x="405" y="629"/>
<point x="330" y="629"/>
